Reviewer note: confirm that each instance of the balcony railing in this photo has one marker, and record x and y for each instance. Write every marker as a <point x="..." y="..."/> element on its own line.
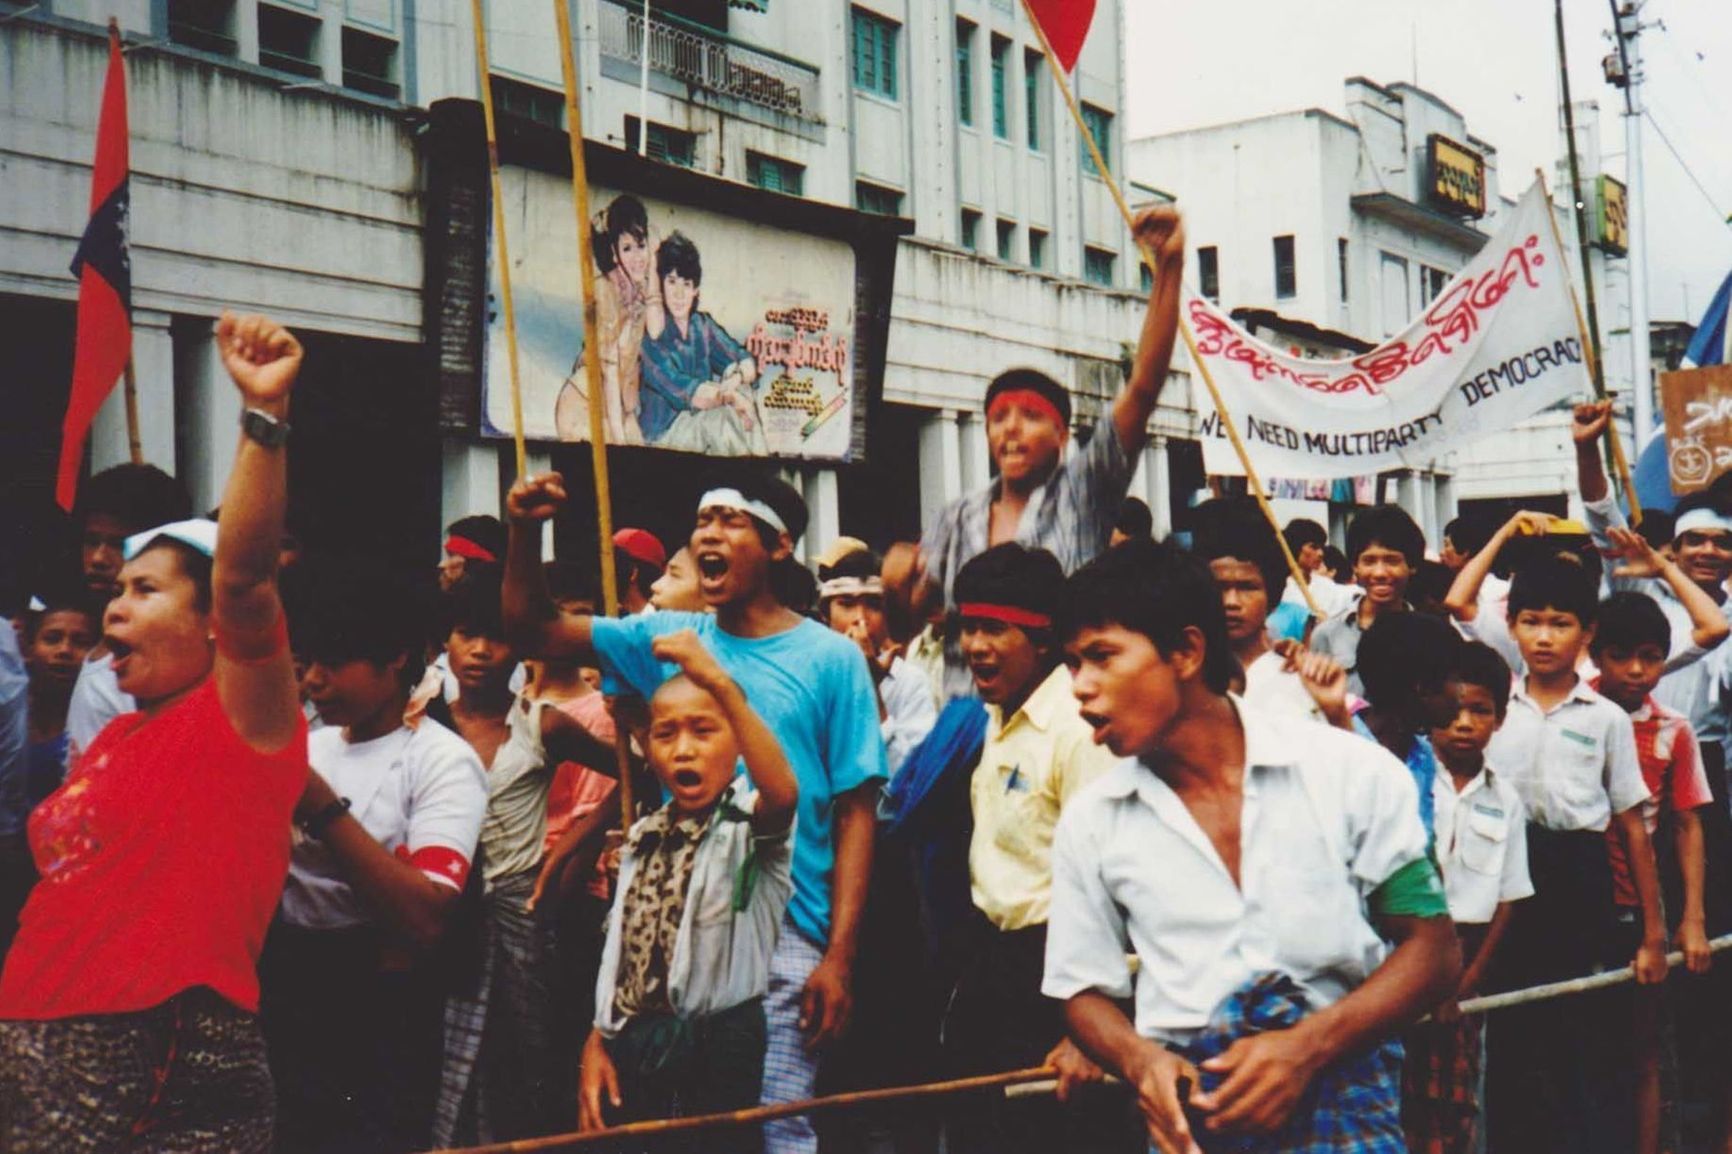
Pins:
<point x="702" y="59"/>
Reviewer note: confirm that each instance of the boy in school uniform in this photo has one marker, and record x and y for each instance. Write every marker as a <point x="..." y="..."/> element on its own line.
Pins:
<point x="679" y="1020"/>
<point x="1257" y="864"/>
<point x="1630" y="647"/>
<point x="1481" y="850"/>
<point x="1553" y="1081"/>
<point x="1384" y="547"/>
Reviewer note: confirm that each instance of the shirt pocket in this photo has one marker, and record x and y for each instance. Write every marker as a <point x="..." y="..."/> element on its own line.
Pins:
<point x="1484" y="843"/>
<point x="1023" y="821"/>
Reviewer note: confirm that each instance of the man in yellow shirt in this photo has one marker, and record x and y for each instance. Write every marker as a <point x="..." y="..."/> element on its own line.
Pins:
<point x="1038" y="753"/>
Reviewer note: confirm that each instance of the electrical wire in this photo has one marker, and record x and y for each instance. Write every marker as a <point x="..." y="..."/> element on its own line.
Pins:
<point x="1688" y="171"/>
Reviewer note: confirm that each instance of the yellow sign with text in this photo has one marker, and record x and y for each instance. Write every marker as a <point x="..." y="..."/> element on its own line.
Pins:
<point x="1457" y="176"/>
<point x="1613" y="232"/>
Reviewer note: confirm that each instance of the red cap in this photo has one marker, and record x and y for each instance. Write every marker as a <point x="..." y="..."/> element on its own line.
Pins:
<point x="641" y="545"/>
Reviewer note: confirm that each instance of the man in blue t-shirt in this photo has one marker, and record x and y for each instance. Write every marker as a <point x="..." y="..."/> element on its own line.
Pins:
<point x="814" y="691"/>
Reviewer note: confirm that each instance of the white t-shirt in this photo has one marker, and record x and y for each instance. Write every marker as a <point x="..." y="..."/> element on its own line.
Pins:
<point x="1272" y="688"/>
<point x="96" y="701"/>
<point x="421" y="793"/>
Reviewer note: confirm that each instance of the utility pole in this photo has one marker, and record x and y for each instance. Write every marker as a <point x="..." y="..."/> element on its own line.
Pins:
<point x="1628" y="75"/>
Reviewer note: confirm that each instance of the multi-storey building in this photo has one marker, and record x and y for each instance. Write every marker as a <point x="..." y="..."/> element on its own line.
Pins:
<point x="279" y="163"/>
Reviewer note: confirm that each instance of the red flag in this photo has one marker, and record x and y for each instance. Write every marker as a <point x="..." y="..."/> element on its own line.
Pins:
<point x="1066" y="24"/>
<point x="104" y="271"/>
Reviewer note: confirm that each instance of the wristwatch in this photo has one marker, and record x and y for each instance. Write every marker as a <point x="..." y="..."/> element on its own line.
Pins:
<point x="271" y="432"/>
<point x="315" y="826"/>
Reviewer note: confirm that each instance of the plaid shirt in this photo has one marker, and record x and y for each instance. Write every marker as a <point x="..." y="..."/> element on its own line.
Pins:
<point x="1071" y="516"/>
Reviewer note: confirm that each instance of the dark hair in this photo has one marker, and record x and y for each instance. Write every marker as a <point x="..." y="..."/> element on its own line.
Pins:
<point x="568" y="581"/>
<point x="1658" y="527"/>
<point x="1430" y="584"/>
<point x="794" y="587"/>
<point x="473" y="603"/>
<point x="356" y="609"/>
<point x="625" y="215"/>
<point x="193" y="563"/>
<point x="1335" y="561"/>
<point x="1556" y="583"/>
<point x="140" y="497"/>
<point x="1477" y="663"/>
<point x="677" y="254"/>
<point x="1390" y="527"/>
<point x="1013" y="574"/>
<point x="789" y="505"/>
<point x="1032" y="379"/>
<point x="61" y="601"/>
<point x="630" y="572"/>
<point x="1628" y="619"/>
<point x="1135" y="519"/>
<point x="1301" y="532"/>
<point x="1234" y="527"/>
<point x="1400" y="654"/>
<point x="487" y="532"/>
<point x="1470" y="533"/>
<point x="1156" y="589"/>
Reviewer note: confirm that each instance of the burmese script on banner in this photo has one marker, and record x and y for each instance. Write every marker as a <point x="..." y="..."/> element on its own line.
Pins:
<point x="1497" y="345"/>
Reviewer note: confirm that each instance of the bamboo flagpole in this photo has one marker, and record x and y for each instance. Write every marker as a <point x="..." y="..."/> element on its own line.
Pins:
<point x="592" y="361"/>
<point x="1613" y="441"/>
<point x="134" y="443"/>
<point x="1252" y="481"/>
<point x="504" y="259"/>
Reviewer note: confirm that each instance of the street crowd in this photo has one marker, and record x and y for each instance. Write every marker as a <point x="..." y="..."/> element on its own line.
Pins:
<point x="299" y="857"/>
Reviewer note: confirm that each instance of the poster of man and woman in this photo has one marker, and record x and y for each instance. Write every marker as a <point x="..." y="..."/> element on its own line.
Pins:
<point x="716" y="335"/>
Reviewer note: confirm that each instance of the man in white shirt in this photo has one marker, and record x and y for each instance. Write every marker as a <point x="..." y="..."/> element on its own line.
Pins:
<point x="1253" y="863"/>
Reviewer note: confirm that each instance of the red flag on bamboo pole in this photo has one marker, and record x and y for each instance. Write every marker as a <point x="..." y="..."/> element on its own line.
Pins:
<point x="1066" y="25"/>
<point x="104" y="271"/>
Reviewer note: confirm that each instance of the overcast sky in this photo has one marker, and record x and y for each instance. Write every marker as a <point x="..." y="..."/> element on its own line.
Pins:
<point x="1494" y="61"/>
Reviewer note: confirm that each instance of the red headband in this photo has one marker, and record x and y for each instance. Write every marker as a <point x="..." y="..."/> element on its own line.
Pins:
<point x="464" y="547"/>
<point x="1028" y="399"/>
<point x="1009" y="614"/>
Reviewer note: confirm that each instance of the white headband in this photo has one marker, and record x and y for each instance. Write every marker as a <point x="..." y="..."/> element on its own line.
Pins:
<point x="851" y="587"/>
<point x="199" y="533"/>
<point x="1701" y="520"/>
<point x="736" y="500"/>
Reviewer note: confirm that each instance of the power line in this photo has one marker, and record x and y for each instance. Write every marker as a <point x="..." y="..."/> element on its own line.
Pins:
<point x="1688" y="171"/>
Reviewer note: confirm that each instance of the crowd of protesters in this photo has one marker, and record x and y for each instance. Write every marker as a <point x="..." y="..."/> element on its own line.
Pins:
<point x="297" y="858"/>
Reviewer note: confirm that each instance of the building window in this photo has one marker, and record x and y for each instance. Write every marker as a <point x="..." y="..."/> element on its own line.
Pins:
<point x="208" y="25"/>
<point x="1036" y="248"/>
<point x="1286" y="278"/>
<point x="875" y="54"/>
<point x="775" y="175"/>
<point x="289" y="41"/>
<point x="541" y="105"/>
<point x="876" y="198"/>
<point x="1006" y="239"/>
<point x="1431" y="282"/>
<point x="970" y="230"/>
<point x="1033" y="66"/>
<point x="1100" y="126"/>
<point x="1145" y="277"/>
<point x="1209" y="272"/>
<point x="1098" y="266"/>
<point x="965" y="73"/>
<point x="370" y="63"/>
<point x="668" y="145"/>
<point x="1341" y="265"/>
<point x="1000" y="95"/>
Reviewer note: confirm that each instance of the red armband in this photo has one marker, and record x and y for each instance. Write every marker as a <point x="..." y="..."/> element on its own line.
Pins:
<point x="444" y="866"/>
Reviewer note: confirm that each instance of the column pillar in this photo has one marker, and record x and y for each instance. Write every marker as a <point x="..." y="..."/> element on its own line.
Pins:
<point x="940" y="465"/>
<point x="469" y="480"/>
<point x="976" y="455"/>
<point x="536" y="461"/>
<point x="824" y="523"/>
<point x="212" y="412"/>
<point x="1160" y="485"/>
<point x="153" y="365"/>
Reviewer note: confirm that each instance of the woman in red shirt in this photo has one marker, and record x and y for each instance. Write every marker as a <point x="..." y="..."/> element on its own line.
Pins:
<point x="128" y="1002"/>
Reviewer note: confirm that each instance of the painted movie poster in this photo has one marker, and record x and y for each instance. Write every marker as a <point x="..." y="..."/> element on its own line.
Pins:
<point x="717" y="336"/>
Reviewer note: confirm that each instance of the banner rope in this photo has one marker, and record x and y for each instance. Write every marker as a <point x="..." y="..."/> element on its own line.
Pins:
<point x="1034" y="1081"/>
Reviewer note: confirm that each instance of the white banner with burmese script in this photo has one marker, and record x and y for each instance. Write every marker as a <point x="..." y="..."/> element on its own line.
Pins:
<point x="1498" y="344"/>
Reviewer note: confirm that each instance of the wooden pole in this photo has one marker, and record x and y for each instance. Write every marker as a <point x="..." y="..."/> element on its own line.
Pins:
<point x="1252" y="481"/>
<point x="1613" y="441"/>
<point x="502" y="253"/>
<point x="592" y="361"/>
<point x="134" y="443"/>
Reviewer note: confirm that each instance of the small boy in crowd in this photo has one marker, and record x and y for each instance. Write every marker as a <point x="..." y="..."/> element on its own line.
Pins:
<point x="1384" y="547"/>
<point x="1557" y="1077"/>
<point x="1405" y="661"/>
<point x="1256" y="864"/>
<point x="679" y="1021"/>
<point x="1630" y="647"/>
<point x="1481" y="849"/>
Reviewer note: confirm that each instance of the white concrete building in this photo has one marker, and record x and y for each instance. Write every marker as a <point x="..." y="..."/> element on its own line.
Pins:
<point x="277" y="167"/>
<point x="1315" y="221"/>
